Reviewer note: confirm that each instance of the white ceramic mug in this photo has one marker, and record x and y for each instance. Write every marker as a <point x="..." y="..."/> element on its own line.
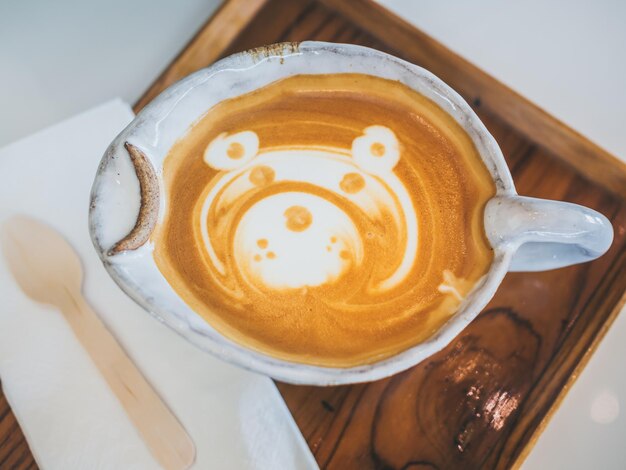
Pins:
<point x="526" y="234"/>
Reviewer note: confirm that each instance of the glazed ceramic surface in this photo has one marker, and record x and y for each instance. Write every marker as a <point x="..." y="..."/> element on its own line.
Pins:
<point x="526" y="234"/>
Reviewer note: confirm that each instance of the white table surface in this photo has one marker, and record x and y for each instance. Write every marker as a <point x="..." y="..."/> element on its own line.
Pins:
<point x="61" y="57"/>
<point x="569" y="56"/>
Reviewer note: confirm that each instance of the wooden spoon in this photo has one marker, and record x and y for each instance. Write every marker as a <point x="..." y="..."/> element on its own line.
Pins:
<point x="49" y="271"/>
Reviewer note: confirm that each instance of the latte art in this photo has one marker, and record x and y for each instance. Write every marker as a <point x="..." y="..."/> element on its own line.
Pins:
<point x="301" y="225"/>
<point x="331" y="220"/>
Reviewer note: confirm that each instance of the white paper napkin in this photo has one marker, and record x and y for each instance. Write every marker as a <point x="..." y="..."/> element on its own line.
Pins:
<point x="69" y="416"/>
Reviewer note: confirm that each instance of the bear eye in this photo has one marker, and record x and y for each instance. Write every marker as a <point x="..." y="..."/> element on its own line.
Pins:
<point x="229" y="152"/>
<point x="377" y="151"/>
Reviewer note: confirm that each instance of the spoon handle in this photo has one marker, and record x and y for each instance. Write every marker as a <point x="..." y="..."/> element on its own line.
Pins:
<point x="164" y="435"/>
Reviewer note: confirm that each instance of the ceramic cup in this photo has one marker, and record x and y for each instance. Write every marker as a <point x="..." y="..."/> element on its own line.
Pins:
<point x="526" y="234"/>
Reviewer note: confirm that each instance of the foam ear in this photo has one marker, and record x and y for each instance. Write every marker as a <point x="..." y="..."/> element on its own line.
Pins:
<point x="229" y="152"/>
<point x="377" y="151"/>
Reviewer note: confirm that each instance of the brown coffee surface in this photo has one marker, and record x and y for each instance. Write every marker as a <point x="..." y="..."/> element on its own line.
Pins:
<point x="332" y="220"/>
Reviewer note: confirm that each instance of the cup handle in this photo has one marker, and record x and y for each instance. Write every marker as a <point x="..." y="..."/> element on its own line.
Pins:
<point x="546" y="234"/>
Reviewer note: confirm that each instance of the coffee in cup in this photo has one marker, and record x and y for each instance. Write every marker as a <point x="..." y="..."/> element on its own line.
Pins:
<point x="332" y="220"/>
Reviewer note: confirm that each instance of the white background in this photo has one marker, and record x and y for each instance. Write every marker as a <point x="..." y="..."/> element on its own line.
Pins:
<point x="60" y="57"/>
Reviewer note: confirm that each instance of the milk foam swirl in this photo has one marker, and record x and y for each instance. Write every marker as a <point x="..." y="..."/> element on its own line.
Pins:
<point x="301" y="213"/>
<point x="329" y="219"/>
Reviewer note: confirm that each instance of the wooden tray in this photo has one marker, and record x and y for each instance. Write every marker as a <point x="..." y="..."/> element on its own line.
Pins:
<point x="482" y="401"/>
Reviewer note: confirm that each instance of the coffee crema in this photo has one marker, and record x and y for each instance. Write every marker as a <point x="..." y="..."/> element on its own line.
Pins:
<point x="332" y="220"/>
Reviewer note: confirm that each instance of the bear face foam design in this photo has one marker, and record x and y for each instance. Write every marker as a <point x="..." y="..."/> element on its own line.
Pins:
<point x="311" y="232"/>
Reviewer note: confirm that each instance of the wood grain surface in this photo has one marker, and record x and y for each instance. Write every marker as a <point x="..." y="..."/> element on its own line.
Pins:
<point x="482" y="401"/>
<point x="14" y="451"/>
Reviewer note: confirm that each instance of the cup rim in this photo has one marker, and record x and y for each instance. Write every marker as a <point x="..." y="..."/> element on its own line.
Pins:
<point x="146" y="130"/>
